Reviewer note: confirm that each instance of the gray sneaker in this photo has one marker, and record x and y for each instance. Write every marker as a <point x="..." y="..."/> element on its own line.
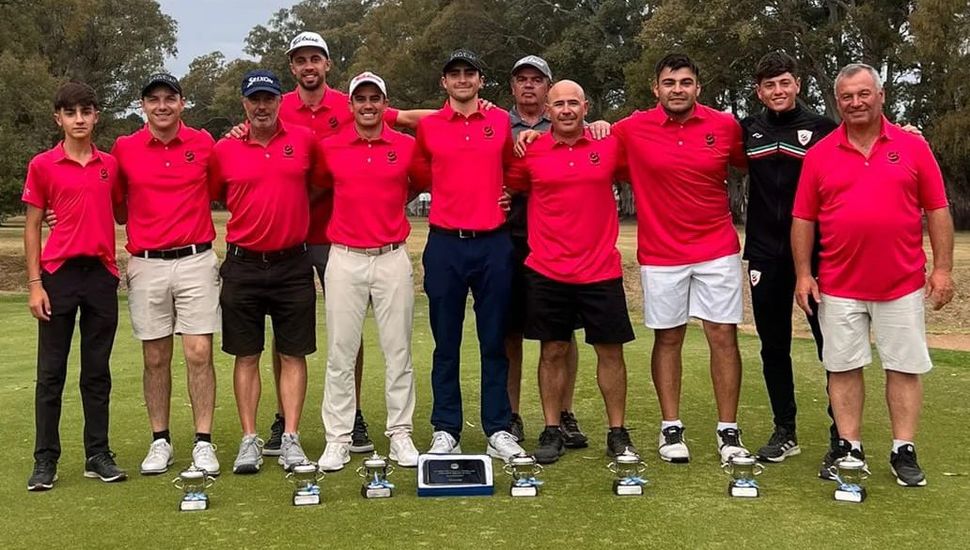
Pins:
<point x="250" y="456"/>
<point x="291" y="453"/>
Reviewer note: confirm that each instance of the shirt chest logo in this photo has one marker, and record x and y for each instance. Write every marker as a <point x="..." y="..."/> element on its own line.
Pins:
<point x="893" y="157"/>
<point x="333" y="122"/>
<point x="391" y="157"/>
<point x="804" y="136"/>
<point x="709" y="139"/>
<point x="189" y="156"/>
<point x="288" y="151"/>
<point x="104" y="174"/>
<point x="488" y="132"/>
<point x="594" y="158"/>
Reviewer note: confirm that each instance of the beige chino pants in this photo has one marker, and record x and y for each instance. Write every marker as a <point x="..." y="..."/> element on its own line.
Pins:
<point x="353" y="280"/>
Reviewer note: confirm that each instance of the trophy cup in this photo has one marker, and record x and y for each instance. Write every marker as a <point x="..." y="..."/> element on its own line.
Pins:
<point x="375" y="470"/>
<point x="305" y="478"/>
<point x="628" y="467"/>
<point x="849" y="472"/>
<point x="523" y="469"/>
<point x="193" y="482"/>
<point x="743" y="468"/>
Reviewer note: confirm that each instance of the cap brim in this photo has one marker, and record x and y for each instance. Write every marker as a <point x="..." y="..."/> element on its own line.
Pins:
<point x="255" y="89"/>
<point x="517" y="68"/>
<point x="362" y="82"/>
<point x="290" y="51"/>
<point x="156" y="83"/>
<point x="465" y="60"/>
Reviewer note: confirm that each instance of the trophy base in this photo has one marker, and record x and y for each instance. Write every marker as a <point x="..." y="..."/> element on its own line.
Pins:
<point x="305" y="499"/>
<point x="627" y="490"/>
<point x="375" y="492"/>
<point x="743" y="492"/>
<point x="193" y="505"/>
<point x="524" y="491"/>
<point x="850" y="496"/>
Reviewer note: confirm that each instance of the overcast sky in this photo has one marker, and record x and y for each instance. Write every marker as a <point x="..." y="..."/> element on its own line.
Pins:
<point x="208" y="25"/>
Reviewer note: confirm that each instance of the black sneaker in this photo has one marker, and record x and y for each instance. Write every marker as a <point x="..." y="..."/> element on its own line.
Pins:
<point x="618" y="442"/>
<point x="103" y="467"/>
<point x="551" y="446"/>
<point x="905" y="468"/>
<point x="359" y="440"/>
<point x="782" y="444"/>
<point x="516" y="428"/>
<point x="274" y="445"/>
<point x="842" y="450"/>
<point x="572" y="436"/>
<point x="44" y="476"/>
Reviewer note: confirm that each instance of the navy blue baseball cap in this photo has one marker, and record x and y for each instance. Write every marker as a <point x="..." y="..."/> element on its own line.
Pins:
<point x="260" y="80"/>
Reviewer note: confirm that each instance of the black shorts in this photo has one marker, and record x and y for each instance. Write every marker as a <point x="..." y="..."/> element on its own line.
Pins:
<point x="515" y="319"/>
<point x="554" y="309"/>
<point x="253" y="289"/>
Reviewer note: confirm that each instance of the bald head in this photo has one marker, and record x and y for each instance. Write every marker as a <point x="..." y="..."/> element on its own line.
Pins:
<point x="567" y="108"/>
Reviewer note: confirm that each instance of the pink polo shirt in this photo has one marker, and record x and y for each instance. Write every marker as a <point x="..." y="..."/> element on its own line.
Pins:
<point x="679" y="176"/>
<point x="166" y="185"/>
<point x="869" y="212"/>
<point x="83" y="197"/>
<point x="462" y="159"/>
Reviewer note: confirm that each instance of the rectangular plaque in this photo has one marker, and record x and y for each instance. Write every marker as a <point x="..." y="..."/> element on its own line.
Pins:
<point x="454" y="475"/>
<point x="303" y="498"/>
<point x="627" y="490"/>
<point x="743" y="492"/>
<point x="524" y="491"/>
<point x="375" y="492"/>
<point x="193" y="505"/>
<point x="850" y="496"/>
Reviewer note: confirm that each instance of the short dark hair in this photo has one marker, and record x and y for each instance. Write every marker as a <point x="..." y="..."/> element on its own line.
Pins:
<point x="676" y="61"/>
<point x="74" y="93"/>
<point x="774" y="64"/>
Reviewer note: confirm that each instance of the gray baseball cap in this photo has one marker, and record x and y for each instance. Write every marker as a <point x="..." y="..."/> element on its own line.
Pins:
<point x="536" y="63"/>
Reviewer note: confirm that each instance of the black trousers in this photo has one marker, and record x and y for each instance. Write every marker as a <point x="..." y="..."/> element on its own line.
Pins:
<point x="85" y="285"/>
<point x="772" y="291"/>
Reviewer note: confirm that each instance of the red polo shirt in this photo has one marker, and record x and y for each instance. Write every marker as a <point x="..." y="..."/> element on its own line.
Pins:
<point x="461" y="159"/>
<point x="870" y="212"/>
<point x="573" y="223"/>
<point x="370" y="186"/>
<point x="329" y="117"/>
<point x="265" y="188"/>
<point x="679" y="173"/>
<point x="83" y="198"/>
<point x="167" y="188"/>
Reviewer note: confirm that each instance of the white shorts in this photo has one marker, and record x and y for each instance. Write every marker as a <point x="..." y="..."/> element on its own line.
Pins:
<point x="708" y="290"/>
<point x="174" y="296"/>
<point x="900" y="333"/>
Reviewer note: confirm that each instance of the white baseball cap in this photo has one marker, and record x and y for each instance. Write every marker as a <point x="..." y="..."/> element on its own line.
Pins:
<point x="308" y="39"/>
<point x="364" y="78"/>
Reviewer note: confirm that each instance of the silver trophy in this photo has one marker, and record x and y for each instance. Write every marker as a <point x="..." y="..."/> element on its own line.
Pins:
<point x="523" y="469"/>
<point x="306" y="482"/>
<point x="628" y="468"/>
<point x="743" y="468"/>
<point x="193" y="483"/>
<point x="849" y="473"/>
<point x="375" y="470"/>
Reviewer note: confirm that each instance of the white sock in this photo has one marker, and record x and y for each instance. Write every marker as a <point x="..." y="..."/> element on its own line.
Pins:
<point x="856" y="445"/>
<point x="664" y="424"/>
<point x="897" y="443"/>
<point x="726" y="425"/>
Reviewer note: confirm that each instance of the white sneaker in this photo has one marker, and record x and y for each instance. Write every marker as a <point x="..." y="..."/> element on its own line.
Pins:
<point x="334" y="457"/>
<point x="250" y="457"/>
<point x="442" y="443"/>
<point x="291" y="452"/>
<point x="403" y="450"/>
<point x="503" y="445"/>
<point x="729" y="444"/>
<point x="204" y="457"/>
<point x="159" y="458"/>
<point x="672" y="447"/>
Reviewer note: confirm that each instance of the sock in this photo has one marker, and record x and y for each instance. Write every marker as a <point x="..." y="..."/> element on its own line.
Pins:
<point x="162" y="435"/>
<point x="897" y="443"/>
<point x="668" y="423"/>
<point x="203" y="437"/>
<point x="856" y="445"/>
<point x="726" y="425"/>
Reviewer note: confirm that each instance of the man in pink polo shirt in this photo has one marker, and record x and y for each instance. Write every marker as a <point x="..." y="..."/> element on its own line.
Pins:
<point x="264" y="180"/>
<point x="366" y="165"/>
<point x="688" y="250"/>
<point x="74" y="271"/>
<point x="173" y="273"/>
<point x="867" y="186"/>
<point x="573" y="270"/>
<point x="461" y="154"/>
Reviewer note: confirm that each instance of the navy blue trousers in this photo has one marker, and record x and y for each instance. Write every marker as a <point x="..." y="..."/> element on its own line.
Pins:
<point x="452" y="267"/>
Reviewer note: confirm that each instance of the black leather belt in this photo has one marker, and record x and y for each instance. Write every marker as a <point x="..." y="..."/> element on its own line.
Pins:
<point x="174" y="253"/>
<point x="466" y="233"/>
<point x="269" y="257"/>
<point x="377" y="251"/>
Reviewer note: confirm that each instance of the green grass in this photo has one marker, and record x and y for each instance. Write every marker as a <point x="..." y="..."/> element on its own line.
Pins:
<point x="685" y="506"/>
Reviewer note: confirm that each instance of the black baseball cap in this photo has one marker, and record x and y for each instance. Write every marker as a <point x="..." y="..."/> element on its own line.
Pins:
<point x="163" y="79"/>
<point x="260" y="80"/>
<point x="463" y="55"/>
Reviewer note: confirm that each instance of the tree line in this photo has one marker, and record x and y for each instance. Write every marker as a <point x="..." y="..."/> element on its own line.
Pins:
<point x="608" y="46"/>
